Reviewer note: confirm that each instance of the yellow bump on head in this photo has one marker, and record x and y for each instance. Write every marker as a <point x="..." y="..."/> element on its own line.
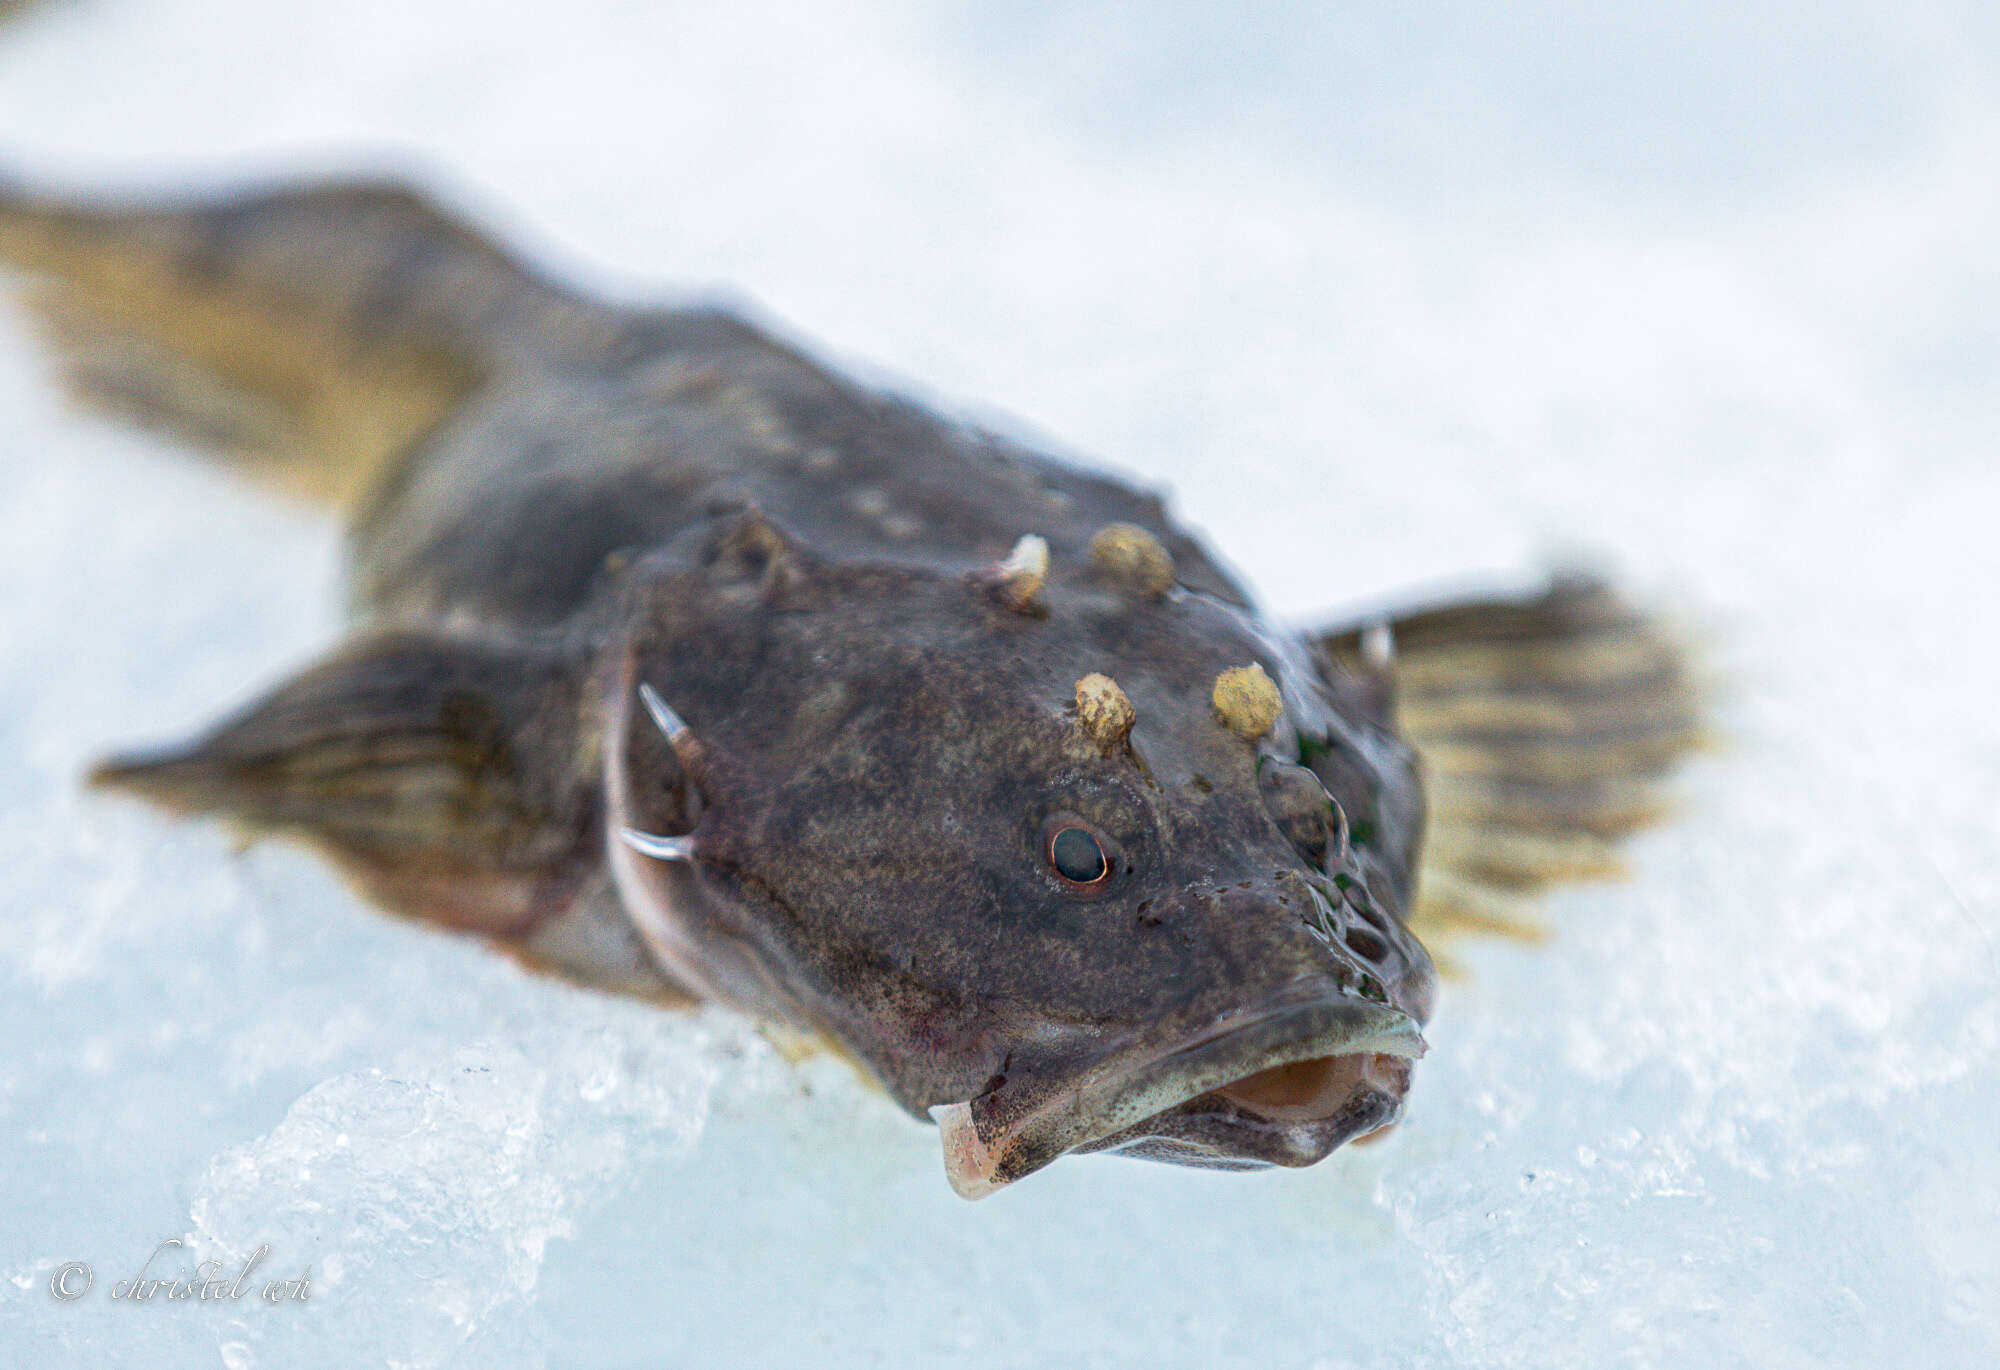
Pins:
<point x="1129" y="554"/>
<point x="1103" y="712"/>
<point x="1022" y="575"/>
<point x="1246" y="701"/>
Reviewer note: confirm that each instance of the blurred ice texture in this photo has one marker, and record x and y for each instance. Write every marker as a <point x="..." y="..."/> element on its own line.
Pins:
<point x="1387" y="297"/>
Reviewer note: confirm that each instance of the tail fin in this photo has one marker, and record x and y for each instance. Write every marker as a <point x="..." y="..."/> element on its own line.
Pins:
<point x="1546" y="728"/>
<point x="315" y="332"/>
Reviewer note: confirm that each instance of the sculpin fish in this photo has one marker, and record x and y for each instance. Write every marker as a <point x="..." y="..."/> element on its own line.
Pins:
<point x="684" y="666"/>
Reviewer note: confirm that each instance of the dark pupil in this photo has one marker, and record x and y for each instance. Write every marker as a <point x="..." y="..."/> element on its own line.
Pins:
<point x="1076" y="856"/>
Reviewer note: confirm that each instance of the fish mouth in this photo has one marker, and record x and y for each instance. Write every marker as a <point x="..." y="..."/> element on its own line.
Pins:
<point x="1283" y="1084"/>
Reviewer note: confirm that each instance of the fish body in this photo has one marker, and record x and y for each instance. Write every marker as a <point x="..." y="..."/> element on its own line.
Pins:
<point x="684" y="666"/>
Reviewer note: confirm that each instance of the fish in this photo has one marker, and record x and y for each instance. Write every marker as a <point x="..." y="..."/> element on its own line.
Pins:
<point x="683" y="666"/>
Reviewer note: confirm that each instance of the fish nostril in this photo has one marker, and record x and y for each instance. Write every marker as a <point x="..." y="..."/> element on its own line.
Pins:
<point x="1366" y="945"/>
<point x="1309" y="817"/>
<point x="1367" y="912"/>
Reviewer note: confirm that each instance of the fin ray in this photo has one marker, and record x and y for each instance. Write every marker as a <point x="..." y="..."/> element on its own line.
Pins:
<point x="315" y="333"/>
<point x="1546" y="727"/>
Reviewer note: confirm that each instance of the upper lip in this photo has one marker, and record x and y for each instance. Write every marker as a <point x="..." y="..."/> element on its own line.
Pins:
<point x="1018" y="1127"/>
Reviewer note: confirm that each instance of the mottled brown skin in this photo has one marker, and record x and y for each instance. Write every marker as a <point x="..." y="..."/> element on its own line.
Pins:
<point x="554" y="502"/>
<point x="893" y="744"/>
<point x="804" y="578"/>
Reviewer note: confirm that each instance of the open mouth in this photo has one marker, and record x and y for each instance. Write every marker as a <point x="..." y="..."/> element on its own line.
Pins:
<point x="1281" y="1085"/>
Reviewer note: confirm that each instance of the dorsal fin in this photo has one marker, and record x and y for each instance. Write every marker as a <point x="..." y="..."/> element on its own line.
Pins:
<point x="313" y="332"/>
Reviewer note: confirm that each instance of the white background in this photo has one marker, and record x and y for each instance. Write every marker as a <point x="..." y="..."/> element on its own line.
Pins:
<point x="1387" y="299"/>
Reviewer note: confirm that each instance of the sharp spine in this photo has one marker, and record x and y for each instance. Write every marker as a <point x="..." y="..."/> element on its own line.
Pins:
<point x="660" y="848"/>
<point x="672" y="724"/>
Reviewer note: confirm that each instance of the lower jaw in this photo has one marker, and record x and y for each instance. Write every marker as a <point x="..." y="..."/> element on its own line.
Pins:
<point x="1172" y="1151"/>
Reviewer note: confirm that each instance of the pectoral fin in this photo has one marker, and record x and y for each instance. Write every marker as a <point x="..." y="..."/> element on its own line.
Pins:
<point x="1546" y="726"/>
<point x="446" y="778"/>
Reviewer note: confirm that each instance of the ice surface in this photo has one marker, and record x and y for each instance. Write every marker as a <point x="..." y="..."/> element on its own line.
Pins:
<point x="1387" y="298"/>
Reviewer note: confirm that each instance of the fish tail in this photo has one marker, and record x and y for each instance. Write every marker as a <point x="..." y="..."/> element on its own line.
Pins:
<point x="1547" y="727"/>
<point x="314" y="333"/>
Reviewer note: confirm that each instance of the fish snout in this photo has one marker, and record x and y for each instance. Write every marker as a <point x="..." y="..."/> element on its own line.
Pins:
<point x="1302" y="924"/>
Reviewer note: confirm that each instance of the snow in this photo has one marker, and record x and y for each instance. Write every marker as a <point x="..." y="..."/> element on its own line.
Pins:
<point x="1391" y="297"/>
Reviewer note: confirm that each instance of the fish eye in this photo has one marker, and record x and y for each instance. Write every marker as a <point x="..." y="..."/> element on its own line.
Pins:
<point x="1076" y="854"/>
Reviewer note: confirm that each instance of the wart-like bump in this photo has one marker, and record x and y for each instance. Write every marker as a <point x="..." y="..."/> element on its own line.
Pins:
<point x="1103" y="714"/>
<point x="1131" y="556"/>
<point x="1246" y="700"/>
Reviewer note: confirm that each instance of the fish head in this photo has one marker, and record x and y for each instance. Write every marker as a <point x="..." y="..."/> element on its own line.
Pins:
<point x="1095" y="877"/>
